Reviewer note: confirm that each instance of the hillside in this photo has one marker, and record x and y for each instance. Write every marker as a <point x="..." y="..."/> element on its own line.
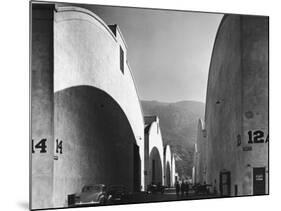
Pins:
<point x="178" y="122"/>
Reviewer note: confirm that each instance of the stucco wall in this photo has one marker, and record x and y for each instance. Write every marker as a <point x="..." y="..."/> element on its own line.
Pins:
<point x="83" y="105"/>
<point x="223" y="103"/>
<point x="97" y="142"/>
<point x="200" y="161"/>
<point x="87" y="53"/>
<point x="42" y="106"/>
<point x="237" y="87"/>
<point x="254" y="35"/>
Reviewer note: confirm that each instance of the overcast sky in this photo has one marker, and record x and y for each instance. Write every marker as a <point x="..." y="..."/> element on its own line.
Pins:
<point x="169" y="51"/>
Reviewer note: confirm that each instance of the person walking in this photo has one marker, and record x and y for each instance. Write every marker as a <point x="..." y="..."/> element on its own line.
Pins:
<point x="177" y="187"/>
<point x="186" y="188"/>
<point x="182" y="188"/>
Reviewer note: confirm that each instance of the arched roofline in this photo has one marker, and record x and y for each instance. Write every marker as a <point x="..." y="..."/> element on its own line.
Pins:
<point x="97" y="18"/>
<point x="153" y="149"/>
<point x="167" y="147"/>
<point x="93" y="15"/>
<point x="149" y="125"/>
<point x="148" y="129"/>
<point x="134" y="81"/>
<point x="211" y="60"/>
<point x="87" y="12"/>
<point x="155" y="143"/>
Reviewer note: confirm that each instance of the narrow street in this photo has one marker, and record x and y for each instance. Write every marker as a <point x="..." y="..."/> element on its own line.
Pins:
<point x="168" y="195"/>
<point x="103" y="133"/>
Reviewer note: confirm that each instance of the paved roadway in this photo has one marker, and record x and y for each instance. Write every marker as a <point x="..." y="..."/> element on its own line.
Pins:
<point x="169" y="195"/>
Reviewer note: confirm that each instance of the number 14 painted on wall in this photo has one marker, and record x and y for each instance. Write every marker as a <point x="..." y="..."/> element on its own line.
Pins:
<point x="41" y="146"/>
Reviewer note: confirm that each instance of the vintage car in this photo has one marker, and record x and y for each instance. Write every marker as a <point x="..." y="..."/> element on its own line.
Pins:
<point x="91" y="194"/>
<point x="117" y="194"/>
<point x="153" y="188"/>
<point x="201" y="189"/>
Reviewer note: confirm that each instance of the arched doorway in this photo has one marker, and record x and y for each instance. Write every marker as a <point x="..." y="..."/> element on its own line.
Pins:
<point x="99" y="146"/>
<point x="168" y="174"/>
<point x="155" y="167"/>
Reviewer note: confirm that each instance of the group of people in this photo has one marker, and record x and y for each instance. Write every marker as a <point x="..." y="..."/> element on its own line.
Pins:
<point x="182" y="188"/>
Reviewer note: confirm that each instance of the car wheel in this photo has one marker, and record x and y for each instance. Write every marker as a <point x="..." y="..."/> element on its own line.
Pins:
<point x="102" y="200"/>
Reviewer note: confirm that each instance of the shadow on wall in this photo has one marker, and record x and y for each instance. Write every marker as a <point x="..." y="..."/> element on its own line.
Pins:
<point x="98" y="142"/>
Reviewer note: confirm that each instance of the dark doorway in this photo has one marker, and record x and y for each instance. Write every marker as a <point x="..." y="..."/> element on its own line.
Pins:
<point x="155" y="167"/>
<point x="259" y="181"/>
<point x="168" y="175"/>
<point x="153" y="171"/>
<point x="137" y="169"/>
<point x="225" y="184"/>
<point x="236" y="190"/>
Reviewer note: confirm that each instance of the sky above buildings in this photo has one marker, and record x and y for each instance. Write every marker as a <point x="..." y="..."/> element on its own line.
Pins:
<point x="169" y="51"/>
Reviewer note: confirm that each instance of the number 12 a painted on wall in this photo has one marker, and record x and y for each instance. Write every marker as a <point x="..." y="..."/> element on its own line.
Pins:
<point x="257" y="137"/>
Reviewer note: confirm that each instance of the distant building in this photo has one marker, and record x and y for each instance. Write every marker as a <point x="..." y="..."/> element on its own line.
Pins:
<point x="173" y="170"/>
<point x="154" y="152"/>
<point x="169" y="166"/>
<point x="236" y="115"/>
<point x="200" y="155"/>
<point x="159" y="160"/>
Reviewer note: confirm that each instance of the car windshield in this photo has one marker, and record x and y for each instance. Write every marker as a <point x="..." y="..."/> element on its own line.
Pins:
<point x="90" y="188"/>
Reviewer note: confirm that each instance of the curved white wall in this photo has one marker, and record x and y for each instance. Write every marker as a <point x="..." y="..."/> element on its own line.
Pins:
<point x="173" y="171"/>
<point x="86" y="52"/>
<point x="237" y="104"/>
<point x="201" y="162"/>
<point x="168" y="161"/>
<point x="155" y="140"/>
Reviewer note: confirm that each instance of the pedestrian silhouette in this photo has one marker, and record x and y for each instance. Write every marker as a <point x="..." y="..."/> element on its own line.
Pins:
<point x="186" y="188"/>
<point x="215" y="187"/>
<point x="182" y="188"/>
<point x="177" y="188"/>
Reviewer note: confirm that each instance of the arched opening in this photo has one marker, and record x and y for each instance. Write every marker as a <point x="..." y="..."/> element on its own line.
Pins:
<point x="99" y="146"/>
<point x="155" y="166"/>
<point x="168" y="175"/>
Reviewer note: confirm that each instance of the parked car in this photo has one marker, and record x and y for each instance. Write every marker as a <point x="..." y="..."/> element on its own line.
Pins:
<point x="201" y="189"/>
<point x="153" y="188"/>
<point x="92" y="194"/>
<point x="117" y="194"/>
